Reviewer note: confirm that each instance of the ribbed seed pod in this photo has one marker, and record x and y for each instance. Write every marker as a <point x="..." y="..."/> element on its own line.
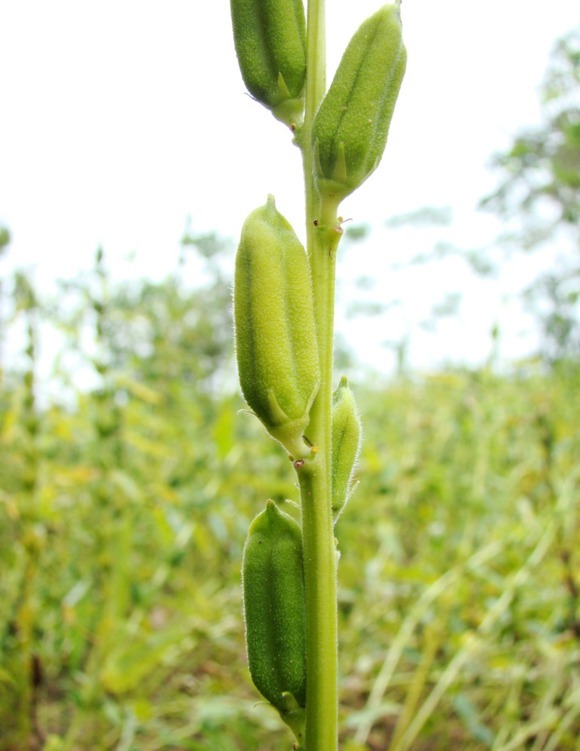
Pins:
<point x="276" y="345"/>
<point x="351" y="126"/>
<point x="270" y="41"/>
<point x="346" y="439"/>
<point x="274" y="609"/>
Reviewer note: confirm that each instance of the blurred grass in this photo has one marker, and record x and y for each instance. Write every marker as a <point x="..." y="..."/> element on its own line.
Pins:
<point x="123" y="513"/>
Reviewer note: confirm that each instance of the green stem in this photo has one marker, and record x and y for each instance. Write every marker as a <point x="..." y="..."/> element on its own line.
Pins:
<point x="323" y="234"/>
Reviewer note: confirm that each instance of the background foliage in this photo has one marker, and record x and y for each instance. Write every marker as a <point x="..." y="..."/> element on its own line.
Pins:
<point x="123" y="510"/>
<point x="538" y="196"/>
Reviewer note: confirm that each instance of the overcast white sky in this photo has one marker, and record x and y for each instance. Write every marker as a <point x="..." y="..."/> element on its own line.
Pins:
<point x="121" y="119"/>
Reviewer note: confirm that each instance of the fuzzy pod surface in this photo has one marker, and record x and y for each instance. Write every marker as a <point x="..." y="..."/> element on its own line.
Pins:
<point x="270" y="42"/>
<point x="346" y="440"/>
<point x="351" y="126"/>
<point x="274" y="608"/>
<point x="276" y="344"/>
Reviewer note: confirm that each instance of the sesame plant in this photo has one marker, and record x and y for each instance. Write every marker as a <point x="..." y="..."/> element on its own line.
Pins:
<point x="284" y="312"/>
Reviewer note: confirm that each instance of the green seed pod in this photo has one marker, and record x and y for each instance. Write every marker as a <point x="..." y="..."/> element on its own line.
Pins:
<point x="270" y="41"/>
<point x="351" y="126"/>
<point x="276" y="345"/>
<point x="346" y="439"/>
<point x="274" y="610"/>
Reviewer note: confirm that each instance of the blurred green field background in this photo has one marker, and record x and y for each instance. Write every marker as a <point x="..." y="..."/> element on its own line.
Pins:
<point x="124" y="504"/>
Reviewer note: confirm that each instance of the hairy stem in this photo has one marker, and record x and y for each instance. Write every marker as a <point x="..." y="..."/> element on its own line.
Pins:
<point x="323" y="234"/>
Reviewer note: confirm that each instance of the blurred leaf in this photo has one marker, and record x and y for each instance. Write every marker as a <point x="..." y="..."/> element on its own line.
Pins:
<point x="472" y="720"/>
